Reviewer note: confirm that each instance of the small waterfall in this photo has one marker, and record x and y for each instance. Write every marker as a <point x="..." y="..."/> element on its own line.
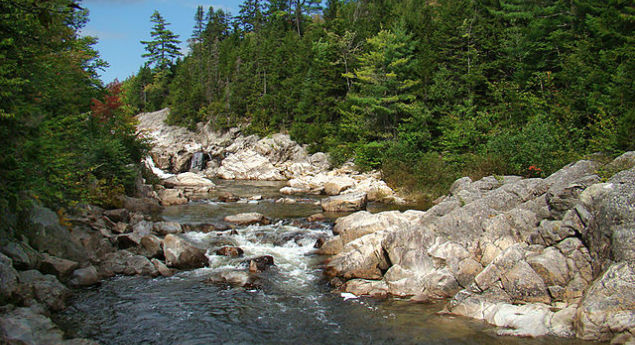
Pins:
<point x="198" y="159"/>
<point x="160" y="173"/>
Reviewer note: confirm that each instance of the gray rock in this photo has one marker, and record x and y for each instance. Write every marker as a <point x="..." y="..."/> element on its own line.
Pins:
<point x="162" y="268"/>
<point x="344" y="203"/>
<point x="142" y="205"/>
<point x="151" y="247"/>
<point x="608" y="307"/>
<point x="59" y="267"/>
<point x="361" y="258"/>
<point x="164" y="228"/>
<point x="365" y="287"/>
<point x="118" y="215"/>
<point x="84" y="276"/>
<point x="170" y="197"/>
<point x="8" y="279"/>
<point x="25" y="326"/>
<point x="126" y="263"/>
<point x="181" y="254"/>
<point x="46" y="289"/>
<point x="45" y="234"/>
<point x="23" y="256"/>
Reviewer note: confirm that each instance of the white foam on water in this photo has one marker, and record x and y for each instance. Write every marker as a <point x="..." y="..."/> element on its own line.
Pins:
<point x="160" y="173"/>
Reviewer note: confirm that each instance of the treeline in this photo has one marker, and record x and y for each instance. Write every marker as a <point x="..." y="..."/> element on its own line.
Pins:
<point x="424" y="90"/>
<point x="65" y="138"/>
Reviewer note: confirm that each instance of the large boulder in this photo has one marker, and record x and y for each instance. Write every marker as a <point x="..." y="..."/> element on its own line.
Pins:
<point x="608" y="307"/>
<point x="127" y="263"/>
<point x="46" y="234"/>
<point x="181" y="254"/>
<point x="23" y="256"/>
<point x="344" y="203"/>
<point x="59" y="267"/>
<point x="29" y="326"/>
<point x="187" y="179"/>
<point x="248" y="165"/>
<point x="338" y="184"/>
<point x="172" y="196"/>
<point x="141" y="205"/>
<point x="45" y="289"/>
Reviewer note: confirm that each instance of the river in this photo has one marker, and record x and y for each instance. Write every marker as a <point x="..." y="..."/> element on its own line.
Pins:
<point x="291" y="303"/>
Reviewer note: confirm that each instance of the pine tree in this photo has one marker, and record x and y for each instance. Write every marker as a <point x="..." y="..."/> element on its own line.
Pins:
<point x="199" y="25"/>
<point x="163" y="49"/>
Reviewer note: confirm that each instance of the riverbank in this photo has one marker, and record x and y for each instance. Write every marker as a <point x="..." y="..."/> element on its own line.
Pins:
<point x="534" y="257"/>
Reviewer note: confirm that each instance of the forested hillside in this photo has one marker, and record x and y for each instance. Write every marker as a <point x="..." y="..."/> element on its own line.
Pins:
<point x="64" y="136"/>
<point x="425" y="90"/>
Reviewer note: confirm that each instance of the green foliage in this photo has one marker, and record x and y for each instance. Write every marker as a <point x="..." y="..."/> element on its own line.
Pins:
<point x="424" y="90"/>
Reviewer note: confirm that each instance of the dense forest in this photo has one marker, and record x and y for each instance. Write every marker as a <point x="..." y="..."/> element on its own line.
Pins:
<point x="65" y="137"/>
<point x="424" y="90"/>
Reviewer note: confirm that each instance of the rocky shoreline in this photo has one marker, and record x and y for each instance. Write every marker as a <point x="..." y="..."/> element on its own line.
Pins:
<point x="552" y="256"/>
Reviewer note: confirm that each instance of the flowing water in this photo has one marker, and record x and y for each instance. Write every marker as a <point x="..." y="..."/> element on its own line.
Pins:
<point x="292" y="303"/>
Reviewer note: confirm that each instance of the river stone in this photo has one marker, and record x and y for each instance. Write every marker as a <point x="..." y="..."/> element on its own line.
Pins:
<point x="118" y="215"/>
<point x="344" y="203"/>
<point x="127" y="263"/>
<point x="227" y="197"/>
<point x="181" y="254"/>
<point x="259" y="264"/>
<point x="25" y="326"/>
<point x="45" y="289"/>
<point x="59" y="267"/>
<point x="164" y="228"/>
<point x="365" y="287"/>
<point x="151" y="246"/>
<point x="8" y="279"/>
<point x="162" y="268"/>
<point x="84" y="276"/>
<point x="230" y="251"/>
<point x="187" y="179"/>
<point x="22" y="255"/>
<point x="234" y="278"/>
<point x="142" y="205"/>
<point x="338" y="184"/>
<point x="247" y="218"/>
<point x="172" y="196"/>
<point x="45" y="234"/>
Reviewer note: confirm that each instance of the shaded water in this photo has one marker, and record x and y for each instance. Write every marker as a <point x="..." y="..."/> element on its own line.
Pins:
<point x="293" y="305"/>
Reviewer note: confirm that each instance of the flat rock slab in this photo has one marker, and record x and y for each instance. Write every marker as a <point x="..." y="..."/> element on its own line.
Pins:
<point x="345" y="203"/>
<point x="187" y="179"/>
<point x="247" y="218"/>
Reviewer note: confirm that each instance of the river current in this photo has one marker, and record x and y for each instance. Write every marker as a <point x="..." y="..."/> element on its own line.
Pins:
<point x="291" y="303"/>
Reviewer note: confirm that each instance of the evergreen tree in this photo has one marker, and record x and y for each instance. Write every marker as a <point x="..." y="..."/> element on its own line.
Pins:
<point x="163" y="49"/>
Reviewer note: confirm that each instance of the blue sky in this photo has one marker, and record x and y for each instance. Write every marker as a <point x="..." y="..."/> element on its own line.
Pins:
<point x="121" y="24"/>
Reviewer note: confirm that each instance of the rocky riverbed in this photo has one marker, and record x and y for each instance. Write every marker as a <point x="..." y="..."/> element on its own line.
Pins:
<point x="302" y="248"/>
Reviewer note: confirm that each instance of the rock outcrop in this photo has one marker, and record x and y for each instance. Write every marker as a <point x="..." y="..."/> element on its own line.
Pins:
<point x="179" y="153"/>
<point x="533" y="256"/>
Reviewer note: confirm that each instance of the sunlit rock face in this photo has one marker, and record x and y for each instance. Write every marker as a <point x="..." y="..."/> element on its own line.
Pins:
<point x="551" y="256"/>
